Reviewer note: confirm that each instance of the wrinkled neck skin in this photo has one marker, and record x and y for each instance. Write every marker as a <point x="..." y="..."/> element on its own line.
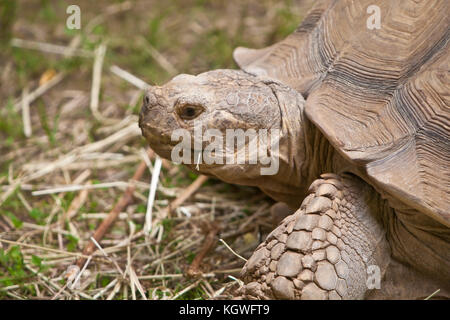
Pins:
<point x="304" y="152"/>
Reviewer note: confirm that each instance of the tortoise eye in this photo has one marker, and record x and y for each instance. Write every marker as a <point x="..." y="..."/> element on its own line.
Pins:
<point x="189" y="112"/>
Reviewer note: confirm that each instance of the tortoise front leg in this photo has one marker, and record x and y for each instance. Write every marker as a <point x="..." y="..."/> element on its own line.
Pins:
<point x="328" y="249"/>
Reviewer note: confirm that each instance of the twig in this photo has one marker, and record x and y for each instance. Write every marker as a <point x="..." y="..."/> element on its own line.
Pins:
<point x="76" y="41"/>
<point x="26" y="113"/>
<point x="129" y="77"/>
<point x="49" y="47"/>
<point x="112" y="216"/>
<point x="72" y="188"/>
<point x="188" y="288"/>
<point x="101" y="292"/>
<point x="239" y="282"/>
<point x="232" y="251"/>
<point x="174" y="253"/>
<point x="44" y="248"/>
<point x="75" y="205"/>
<point x="151" y="195"/>
<point x="433" y="294"/>
<point x="114" y="291"/>
<point x="185" y="194"/>
<point x="135" y="282"/>
<point x="211" y="274"/>
<point x="127" y="132"/>
<point x="40" y="90"/>
<point x="163" y="62"/>
<point x="96" y="81"/>
<point x="130" y="131"/>
<point x="208" y="244"/>
<point x="24" y="201"/>
<point x="107" y="12"/>
<point x="9" y="191"/>
<point x="74" y="284"/>
<point x="107" y="257"/>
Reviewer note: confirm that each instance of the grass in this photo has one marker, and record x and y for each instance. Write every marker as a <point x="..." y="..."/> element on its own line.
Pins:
<point x="194" y="36"/>
<point x="11" y="126"/>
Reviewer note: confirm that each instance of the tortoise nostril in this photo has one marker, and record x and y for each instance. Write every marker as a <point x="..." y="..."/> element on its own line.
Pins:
<point x="146" y="99"/>
<point x="149" y="99"/>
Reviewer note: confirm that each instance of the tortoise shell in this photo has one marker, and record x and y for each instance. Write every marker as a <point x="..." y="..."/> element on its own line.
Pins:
<point x="379" y="93"/>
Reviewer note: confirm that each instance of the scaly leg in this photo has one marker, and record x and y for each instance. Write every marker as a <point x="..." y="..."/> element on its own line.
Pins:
<point x="328" y="249"/>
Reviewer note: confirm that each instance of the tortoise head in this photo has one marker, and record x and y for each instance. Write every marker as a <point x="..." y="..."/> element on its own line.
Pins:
<point x="225" y="123"/>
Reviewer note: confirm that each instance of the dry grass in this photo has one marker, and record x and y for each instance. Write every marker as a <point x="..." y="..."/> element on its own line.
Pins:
<point x="70" y="145"/>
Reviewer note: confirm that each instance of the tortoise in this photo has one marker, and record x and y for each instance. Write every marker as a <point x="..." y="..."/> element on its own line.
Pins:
<point x="364" y="148"/>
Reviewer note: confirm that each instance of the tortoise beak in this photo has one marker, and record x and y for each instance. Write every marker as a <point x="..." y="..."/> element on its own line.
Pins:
<point x="148" y="102"/>
<point x="155" y="121"/>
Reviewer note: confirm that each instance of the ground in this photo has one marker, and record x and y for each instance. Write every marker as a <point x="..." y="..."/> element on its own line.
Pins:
<point x="70" y="140"/>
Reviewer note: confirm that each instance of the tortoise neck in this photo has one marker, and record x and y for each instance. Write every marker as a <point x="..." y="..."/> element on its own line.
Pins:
<point x="320" y="154"/>
<point x="286" y="185"/>
<point x="304" y="152"/>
